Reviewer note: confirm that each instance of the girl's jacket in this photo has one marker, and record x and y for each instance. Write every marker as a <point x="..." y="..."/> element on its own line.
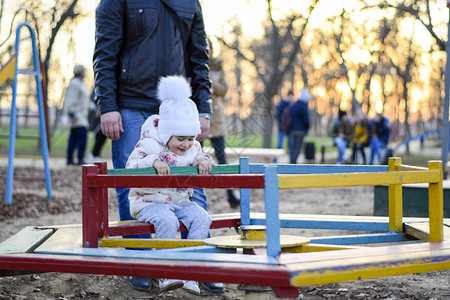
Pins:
<point x="147" y="150"/>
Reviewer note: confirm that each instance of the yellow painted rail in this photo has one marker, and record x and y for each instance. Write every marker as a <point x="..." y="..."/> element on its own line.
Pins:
<point x="149" y="243"/>
<point x="356" y="179"/>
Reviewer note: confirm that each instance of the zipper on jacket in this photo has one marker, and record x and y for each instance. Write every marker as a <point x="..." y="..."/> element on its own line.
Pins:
<point x="163" y="40"/>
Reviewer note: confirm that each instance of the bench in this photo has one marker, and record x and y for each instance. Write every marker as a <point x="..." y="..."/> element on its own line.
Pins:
<point x="256" y="155"/>
<point x="417" y="204"/>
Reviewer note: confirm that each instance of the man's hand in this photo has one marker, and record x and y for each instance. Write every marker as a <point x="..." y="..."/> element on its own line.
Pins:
<point x="161" y="167"/>
<point x="204" y="127"/>
<point x="112" y="124"/>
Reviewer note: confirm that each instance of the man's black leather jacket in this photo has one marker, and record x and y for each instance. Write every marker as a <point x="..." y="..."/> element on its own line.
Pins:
<point x="138" y="41"/>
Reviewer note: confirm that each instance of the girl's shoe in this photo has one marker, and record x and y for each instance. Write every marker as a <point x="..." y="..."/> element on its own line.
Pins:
<point x="191" y="287"/>
<point x="166" y="285"/>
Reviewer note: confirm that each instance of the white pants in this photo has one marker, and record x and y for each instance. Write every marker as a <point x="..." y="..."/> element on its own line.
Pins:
<point x="166" y="217"/>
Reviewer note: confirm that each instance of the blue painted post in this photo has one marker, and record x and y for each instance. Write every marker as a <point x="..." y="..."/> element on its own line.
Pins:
<point x="13" y="121"/>
<point x="272" y="210"/>
<point x="244" y="168"/>
<point x="12" y="132"/>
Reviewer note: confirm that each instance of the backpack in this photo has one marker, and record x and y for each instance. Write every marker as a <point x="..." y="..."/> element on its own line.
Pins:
<point x="279" y="110"/>
<point x="286" y="120"/>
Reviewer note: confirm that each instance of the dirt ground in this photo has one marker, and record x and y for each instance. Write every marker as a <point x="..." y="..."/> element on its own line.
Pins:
<point x="30" y="207"/>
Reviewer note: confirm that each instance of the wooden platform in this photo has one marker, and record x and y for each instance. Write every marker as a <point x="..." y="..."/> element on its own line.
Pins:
<point x="58" y="249"/>
<point x="405" y="242"/>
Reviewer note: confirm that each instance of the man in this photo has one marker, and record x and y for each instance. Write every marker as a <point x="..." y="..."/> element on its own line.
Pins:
<point x="137" y="42"/>
<point x="342" y="133"/>
<point x="278" y="113"/>
<point x="380" y="130"/>
<point x="300" y="124"/>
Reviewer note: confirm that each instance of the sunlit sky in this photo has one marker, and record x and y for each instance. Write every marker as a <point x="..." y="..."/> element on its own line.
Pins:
<point x="216" y="14"/>
<point x="252" y="12"/>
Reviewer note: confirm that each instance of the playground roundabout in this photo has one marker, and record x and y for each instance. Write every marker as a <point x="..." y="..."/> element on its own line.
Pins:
<point x="30" y="207"/>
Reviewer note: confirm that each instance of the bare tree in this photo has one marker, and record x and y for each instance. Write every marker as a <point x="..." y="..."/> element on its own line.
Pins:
<point x="1" y="13"/>
<point x="421" y="10"/>
<point x="59" y="13"/>
<point x="273" y="56"/>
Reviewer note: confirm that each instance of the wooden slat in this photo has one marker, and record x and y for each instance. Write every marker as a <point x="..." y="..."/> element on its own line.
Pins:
<point x="67" y="237"/>
<point x="411" y="168"/>
<point x="366" y="253"/>
<point x="202" y="249"/>
<point x="319" y="169"/>
<point x="25" y="240"/>
<point x="358" y="239"/>
<point x="421" y="230"/>
<point x="334" y="222"/>
<point x="166" y="254"/>
<point x="317" y="248"/>
<point x="216" y="169"/>
<point x="177" y="181"/>
<point x="355" y="179"/>
<point x="369" y="267"/>
<point x="243" y="273"/>
<point x="149" y="243"/>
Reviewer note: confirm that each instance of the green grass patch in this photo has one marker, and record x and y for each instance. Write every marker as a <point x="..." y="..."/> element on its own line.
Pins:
<point x="59" y="140"/>
<point x="32" y="146"/>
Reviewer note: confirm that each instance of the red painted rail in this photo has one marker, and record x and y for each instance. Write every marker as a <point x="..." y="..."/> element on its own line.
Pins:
<point x="176" y="181"/>
<point x="95" y="198"/>
<point x="244" y="273"/>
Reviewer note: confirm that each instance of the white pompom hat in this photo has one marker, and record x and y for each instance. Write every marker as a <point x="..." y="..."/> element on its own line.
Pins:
<point x="178" y="114"/>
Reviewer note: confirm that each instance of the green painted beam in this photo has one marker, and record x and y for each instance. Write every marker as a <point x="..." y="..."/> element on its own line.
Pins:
<point x="217" y="169"/>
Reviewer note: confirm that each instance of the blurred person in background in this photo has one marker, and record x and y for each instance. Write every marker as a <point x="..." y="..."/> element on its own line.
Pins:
<point x="380" y="130"/>
<point x="300" y="124"/>
<point x="217" y="129"/>
<point x="361" y="135"/>
<point x="342" y="134"/>
<point x="290" y="98"/>
<point x="76" y="107"/>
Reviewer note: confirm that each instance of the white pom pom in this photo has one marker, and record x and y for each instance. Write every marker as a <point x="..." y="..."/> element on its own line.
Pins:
<point x="173" y="88"/>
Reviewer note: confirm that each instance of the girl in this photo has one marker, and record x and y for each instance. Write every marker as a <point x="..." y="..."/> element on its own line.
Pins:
<point x="168" y="140"/>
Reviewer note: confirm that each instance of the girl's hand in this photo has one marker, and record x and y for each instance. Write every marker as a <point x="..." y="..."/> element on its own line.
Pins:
<point x="204" y="166"/>
<point x="161" y="168"/>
